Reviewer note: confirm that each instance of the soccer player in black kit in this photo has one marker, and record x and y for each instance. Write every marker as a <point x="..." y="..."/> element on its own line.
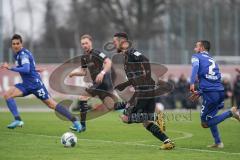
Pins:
<point x="138" y="72"/>
<point x="99" y="66"/>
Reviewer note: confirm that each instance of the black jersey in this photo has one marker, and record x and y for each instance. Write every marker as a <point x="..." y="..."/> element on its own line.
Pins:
<point x="138" y="70"/>
<point x="94" y="62"/>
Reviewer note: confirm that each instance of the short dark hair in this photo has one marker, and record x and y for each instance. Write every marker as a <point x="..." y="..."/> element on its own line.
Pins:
<point x="121" y="35"/>
<point x="16" y="36"/>
<point x="86" y="36"/>
<point x="206" y="44"/>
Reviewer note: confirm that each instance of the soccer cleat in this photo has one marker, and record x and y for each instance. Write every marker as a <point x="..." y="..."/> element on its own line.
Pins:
<point x="168" y="146"/>
<point x="77" y="127"/>
<point x="83" y="129"/>
<point x="74" y="129"/>
<point x="235" y="113"/>
<point x="161" y="121"/>
<point x="219" y="145"/>
<point x="15" y="123"/>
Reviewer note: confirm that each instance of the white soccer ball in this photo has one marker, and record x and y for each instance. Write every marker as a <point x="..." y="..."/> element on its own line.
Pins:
<point x="69" y="139"/>
<point x="159" y="107"/>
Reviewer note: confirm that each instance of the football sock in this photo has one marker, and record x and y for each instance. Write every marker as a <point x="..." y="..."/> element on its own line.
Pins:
<point x="13" y="108"/>
<point x="83" y="109"/>
<point x="83" y="118"/>
<point x="83" y="123"/>
<point x="18" y="118"/>
<point x="218" y="119"/>
<point x="155" y="130"/>
<point x="63" y="111"/>
<point x="215" y="134"/>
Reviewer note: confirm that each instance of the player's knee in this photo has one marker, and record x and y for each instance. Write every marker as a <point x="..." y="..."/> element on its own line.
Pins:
<point x="83" y="98"/>
<point x="146" y="124"/>
<point x="51" y="106"/>
<point x="6" y="96"/>
<point x="204" y="125"/>
<point x="50" y="103"/>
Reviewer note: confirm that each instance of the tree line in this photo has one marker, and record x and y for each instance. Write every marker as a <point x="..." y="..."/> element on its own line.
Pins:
<point x="161" y="27"/>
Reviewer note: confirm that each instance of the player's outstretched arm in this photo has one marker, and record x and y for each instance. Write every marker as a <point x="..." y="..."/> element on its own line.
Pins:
<point x="40" y="69"/>
<point x="25" y="68"/>
<point x="5" y="65"/>
<point x="195" y="68"/>
<point x="107" y="64"/>
<point x="82" y="72"/>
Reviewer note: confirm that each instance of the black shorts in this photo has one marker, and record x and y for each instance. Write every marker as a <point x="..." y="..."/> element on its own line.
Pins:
<point x="144" y="106"/>
<point x="106" y="84"/>
<point x="102" y="90"/>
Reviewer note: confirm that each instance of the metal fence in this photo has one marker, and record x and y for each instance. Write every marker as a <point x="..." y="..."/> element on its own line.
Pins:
<point x="182" y="27"/>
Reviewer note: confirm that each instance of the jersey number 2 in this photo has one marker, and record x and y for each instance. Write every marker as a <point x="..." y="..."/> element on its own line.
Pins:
<point x="211" y="67"/>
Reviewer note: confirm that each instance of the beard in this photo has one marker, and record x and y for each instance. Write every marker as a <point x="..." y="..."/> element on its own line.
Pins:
<point x="119" y="50"/>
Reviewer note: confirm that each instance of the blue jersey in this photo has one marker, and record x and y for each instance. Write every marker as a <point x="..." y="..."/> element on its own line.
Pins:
<point x="208" y="72"/>
<point x="31" y="78"/>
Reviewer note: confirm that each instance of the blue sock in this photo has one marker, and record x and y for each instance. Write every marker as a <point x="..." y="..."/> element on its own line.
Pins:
<point x="13" y="108"/>
<point x="218" y="119"/>
<point x="215" y="134"/>
<point x="64" y="112"/>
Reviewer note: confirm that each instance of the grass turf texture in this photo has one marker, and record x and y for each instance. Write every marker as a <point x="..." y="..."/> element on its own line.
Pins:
<point x="107" y="138"/>
<point x="30" y="102"/>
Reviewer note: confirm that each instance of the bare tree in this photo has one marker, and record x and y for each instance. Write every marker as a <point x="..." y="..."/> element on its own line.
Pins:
<point x="86" y="18"/>
<point x="12" y="10"/>
<point x="161" y="28"/>
<point x="51" y="36"/>
<point x="29" y="8"/>
<point x="76" y="25"/>
<point x="140" y="18"/>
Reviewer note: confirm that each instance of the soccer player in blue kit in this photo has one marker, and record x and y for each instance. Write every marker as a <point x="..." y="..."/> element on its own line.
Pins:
<point x="210" y="89"/>
<point x="31" y="84"/>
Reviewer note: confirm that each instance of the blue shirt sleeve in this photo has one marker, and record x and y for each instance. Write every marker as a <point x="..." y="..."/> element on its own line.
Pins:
<point x="195" y="67"/>
<point x="25" y="68"/>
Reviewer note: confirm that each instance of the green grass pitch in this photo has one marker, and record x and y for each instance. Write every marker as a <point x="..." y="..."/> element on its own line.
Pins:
<point x="107" y="138"/>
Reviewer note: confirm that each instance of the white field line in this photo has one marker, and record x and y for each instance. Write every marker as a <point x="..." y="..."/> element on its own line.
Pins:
<point x="186" y="135"/>
<point x="126" y="143"/>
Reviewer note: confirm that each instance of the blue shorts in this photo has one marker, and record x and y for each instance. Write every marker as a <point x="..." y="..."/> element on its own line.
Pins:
<point x="212" y="102"/>
<point x="39" y="91"/>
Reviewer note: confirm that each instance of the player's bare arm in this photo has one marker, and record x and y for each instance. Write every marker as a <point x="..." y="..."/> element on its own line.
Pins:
<point x="5" y="65"/>
<point x="192" y="88"/>
<point x="107" y="64"/>
<point x="195" y="95"/>
<point x="40" y="69"/>
<point x="82" y="72"/>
